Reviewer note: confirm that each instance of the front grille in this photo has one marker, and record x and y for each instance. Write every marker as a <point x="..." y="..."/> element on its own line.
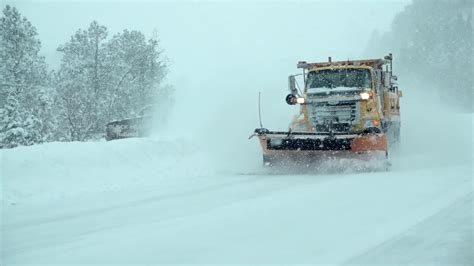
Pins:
<point x="337" y="117"/>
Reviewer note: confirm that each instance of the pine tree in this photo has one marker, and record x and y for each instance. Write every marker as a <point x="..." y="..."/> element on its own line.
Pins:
<point x="23" y="76"/>
<point x="12" y="132"/>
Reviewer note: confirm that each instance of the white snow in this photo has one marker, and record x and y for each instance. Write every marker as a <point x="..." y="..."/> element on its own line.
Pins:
<point x="58" y="170"/>
<point x="182" y="200"/>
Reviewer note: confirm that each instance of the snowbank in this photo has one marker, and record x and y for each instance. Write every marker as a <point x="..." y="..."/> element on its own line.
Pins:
<point x="56" y="170"/>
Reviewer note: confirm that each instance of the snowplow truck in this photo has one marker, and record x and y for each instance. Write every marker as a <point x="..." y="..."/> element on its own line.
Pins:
<point x="348" y="109"/>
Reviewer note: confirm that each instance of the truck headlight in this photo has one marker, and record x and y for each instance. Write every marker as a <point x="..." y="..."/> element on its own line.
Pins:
<point x="364" y="95"/>
<point x="300" y="100"/>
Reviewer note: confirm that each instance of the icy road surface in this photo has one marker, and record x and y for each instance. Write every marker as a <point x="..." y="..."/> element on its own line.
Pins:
<point x="129" y="202"/>
<point x="414" y="215"/>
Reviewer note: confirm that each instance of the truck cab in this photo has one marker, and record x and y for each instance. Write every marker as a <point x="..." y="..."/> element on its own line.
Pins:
<point x="347" y="97"/>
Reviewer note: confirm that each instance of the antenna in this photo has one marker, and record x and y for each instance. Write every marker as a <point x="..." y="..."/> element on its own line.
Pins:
<point x="259" y="110"/>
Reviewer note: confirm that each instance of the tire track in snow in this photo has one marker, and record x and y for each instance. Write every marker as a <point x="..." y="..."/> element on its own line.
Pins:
<point x="445" y="237"/>
<point x="148" y="200"/>
<point x="78" y="230"/>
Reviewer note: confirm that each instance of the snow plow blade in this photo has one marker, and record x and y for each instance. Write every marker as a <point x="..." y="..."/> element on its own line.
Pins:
<point x="281" y="147"/>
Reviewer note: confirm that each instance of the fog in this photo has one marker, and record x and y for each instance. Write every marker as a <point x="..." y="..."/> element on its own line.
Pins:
<point x="221" y="55"/>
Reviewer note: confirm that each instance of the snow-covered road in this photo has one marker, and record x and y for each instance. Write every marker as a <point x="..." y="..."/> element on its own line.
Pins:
<point x="444" y="238"/>
<point x="246" y="219"/>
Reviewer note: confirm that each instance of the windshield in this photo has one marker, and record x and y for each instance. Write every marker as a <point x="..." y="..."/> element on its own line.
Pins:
<point x="339" y="78"/>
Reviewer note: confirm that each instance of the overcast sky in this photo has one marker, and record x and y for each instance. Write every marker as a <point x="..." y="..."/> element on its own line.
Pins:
<point x="196" y="32"/>
<point x="232" y="49"/>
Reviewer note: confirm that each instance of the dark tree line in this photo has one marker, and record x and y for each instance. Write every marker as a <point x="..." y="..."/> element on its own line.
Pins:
<point x="433" y="41"/>
<point x="101" y="78"/>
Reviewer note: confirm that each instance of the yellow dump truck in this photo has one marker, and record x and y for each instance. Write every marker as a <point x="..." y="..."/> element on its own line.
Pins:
<point x="348" y="109"/>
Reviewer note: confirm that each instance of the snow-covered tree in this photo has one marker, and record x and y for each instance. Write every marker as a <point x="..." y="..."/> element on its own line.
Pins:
<point x="81" y="83"/>
<point x="12" y="132"/>
<point x="102" y="80"/>
<point x="24" y="77"/>
<point x="98" y="81"/>
<point x="433" y="40"/>
<point x="137" y="71"/>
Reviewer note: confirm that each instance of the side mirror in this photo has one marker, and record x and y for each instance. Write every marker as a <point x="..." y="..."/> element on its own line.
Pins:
<point x="292" y="85"/>
<point x="400" y="93"/>
<point x="394" y="77"/>
<point x="290" y="99"/>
